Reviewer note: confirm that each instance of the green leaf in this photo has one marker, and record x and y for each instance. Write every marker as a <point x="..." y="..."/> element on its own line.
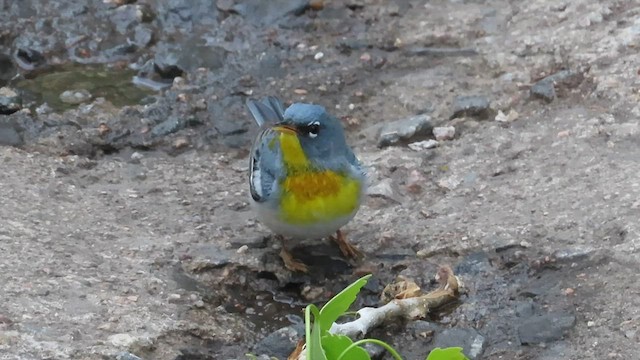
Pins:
<point x="340" y="303"/>
<point x="452" y="353"/>
<point x="313" y="334"/>
<point x="334" y="345"/>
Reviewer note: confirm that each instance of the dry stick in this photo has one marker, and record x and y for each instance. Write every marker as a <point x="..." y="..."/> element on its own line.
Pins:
<point x="409" y="309"/>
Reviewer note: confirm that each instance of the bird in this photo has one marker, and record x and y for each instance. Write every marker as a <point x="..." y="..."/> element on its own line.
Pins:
<point x="305" y="181"/>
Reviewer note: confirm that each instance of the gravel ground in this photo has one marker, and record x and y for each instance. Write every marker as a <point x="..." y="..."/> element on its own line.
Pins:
<point x="126" y="230"/>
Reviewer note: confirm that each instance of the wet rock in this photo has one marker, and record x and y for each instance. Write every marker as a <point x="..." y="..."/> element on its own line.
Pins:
<point x="474" y="264"/>
<point x="28" y="58"/>
<point x="75" y="96"/>
<point x="9" y="136"/>
<point x="469" y="339"/>
<point x="471" y="106"/>
<point x="546" y="89"/>
<point x="405" y="130"/>
<point x="7" y="69"/>
<point x="444" y="132"/>
<point x="281" y="342"/>
<point x="545" y="328"/>
<point x="10" y="101"/>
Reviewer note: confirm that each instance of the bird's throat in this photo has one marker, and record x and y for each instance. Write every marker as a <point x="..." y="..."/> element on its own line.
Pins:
<point x="292" y="154"/>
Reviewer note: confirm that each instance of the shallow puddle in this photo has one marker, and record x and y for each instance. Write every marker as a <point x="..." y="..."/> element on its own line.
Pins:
<point x="113" y="84"/>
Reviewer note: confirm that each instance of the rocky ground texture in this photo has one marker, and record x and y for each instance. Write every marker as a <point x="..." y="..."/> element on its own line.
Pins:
<point x="500" y="137"/>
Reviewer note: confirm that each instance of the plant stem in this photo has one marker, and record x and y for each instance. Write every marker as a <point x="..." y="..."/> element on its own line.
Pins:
<point x="381" y="343"/>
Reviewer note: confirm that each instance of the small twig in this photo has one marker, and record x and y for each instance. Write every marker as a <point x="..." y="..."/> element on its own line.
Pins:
<point x="408" y="309"/>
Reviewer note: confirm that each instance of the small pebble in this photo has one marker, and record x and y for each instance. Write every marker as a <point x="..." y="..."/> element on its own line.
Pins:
<point x="366" y="57"/>
<point x="316" y="4"/>
<point x="444" y="132"/>
<point x="569" y="291"/>
<point x="423" y="145"/>
<point x="591" y="323"/>
<point x="505" y="118"/>
<point x="75" y="96"/>
<point x="180" y="143"/>
<point x="136" y="157"/>
<point x="199" y="304"/>
<point x="103" y="129"/>
<point x="300" y="92"/>
<point x="242" y="249"/>
<point x="318" y="56"/>
<point x="173" y="298"/>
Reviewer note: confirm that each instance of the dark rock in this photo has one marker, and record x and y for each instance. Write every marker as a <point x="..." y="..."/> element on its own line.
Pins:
<point x="422" y="329"/>
<point x="471" y="106"/>
<point x="407" y="130"/>
<point x="474" y="264"/>
<point x="165" y="64"/>
<point x="10" y="101"/>
<point x="7" y="69"/>
<point x="469" y="339"/>
<point x="29" y="52"/>
<point x="545" y="328"/>
<point x="281" y="342"/>
<point x="545" y="89"/>
<point x="9" y="136"/>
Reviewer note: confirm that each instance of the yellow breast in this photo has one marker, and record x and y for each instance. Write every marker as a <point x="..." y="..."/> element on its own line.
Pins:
<point x="310" y="196"/>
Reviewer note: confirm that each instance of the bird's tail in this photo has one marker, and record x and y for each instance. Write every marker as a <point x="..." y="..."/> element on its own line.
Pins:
<point x="267" y="110"/>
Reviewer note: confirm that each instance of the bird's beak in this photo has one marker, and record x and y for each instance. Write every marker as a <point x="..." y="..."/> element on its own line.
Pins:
<point x="285" y="129"/>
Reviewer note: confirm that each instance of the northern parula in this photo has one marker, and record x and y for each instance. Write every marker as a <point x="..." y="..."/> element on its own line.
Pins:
<point x="305" y="181"/>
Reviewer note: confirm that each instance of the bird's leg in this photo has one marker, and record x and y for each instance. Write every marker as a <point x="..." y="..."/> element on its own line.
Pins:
<point x="289" y="261"/>
<point x="346" y="248"/>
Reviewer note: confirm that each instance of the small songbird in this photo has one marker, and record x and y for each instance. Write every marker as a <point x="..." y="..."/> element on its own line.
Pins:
<point x="305" y="181"/>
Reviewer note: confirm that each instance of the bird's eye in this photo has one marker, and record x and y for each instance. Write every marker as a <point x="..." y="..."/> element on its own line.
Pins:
<point x="313" y="128"/>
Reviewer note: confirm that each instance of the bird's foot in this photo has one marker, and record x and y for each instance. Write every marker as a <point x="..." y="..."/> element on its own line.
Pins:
<point x="291" y="263"/>
<point x="348" y="250"/>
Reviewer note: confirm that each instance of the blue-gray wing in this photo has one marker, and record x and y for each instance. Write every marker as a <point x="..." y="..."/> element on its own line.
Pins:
<point x="267" y="110"/>
<point x="264" y="165"/>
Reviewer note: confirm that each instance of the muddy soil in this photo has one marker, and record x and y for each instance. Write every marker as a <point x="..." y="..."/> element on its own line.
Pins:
<point x="125" y="227"/>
